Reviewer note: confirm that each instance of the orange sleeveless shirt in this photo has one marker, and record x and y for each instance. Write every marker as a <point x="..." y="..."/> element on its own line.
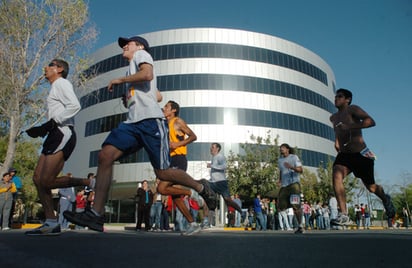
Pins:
<point x="175" y="137"/>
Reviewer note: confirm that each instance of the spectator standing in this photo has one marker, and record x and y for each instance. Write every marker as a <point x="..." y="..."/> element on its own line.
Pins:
<point x="194" y="208"/>
<point x="19" y="186"/>
<point x="165" y="217"/>
<point x="367" y="217"/>
<point x="326" y="217"/>
<point x="7" y="189"/>
<point x="257" y="207"/>
<point x="271" y="215"/>
<point x="67" y="198"/>
<point x="291" y="215"/>
<point x="405" y="215"/>
<point x="81" y="203"/>
<point x="81" y="200"/>
<point x="319" y="216"/>
<point x="250" y="217"/>
<point x="333" y="206"/>
<point x="156" y="209"/>
<point x="181" y="221"/>
<point x="358" y="215"/>
<point x="306" y="213"/>
<point x="145" y="200"/>
<point x="238" y="215"/>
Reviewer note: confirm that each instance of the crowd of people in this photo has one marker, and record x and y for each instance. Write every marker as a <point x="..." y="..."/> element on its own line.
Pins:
<point x="164" y="136"/>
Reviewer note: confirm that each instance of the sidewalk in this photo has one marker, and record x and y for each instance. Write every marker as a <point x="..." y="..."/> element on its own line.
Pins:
<point x="131" y="227"/>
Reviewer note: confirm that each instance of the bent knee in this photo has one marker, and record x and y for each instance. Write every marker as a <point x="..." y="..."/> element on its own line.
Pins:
<point x="108" y="155"/>
<point x="372" y="187"/>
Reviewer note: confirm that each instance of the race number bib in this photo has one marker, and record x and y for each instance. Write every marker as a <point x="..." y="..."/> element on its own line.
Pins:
<point x="294" y="199"/>
<point x="368" y="153"/>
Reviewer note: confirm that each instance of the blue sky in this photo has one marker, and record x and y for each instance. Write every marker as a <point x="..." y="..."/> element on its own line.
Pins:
<point x="367" y="43"/>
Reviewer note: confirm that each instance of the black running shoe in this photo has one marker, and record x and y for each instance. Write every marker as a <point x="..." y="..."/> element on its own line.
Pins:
<point x="86" y="219"/>
<point x="208" y="195"/>
<point x="299" y="231"/>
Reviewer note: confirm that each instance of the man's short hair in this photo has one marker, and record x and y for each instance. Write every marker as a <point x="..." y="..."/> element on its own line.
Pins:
<point x="346" y="93"/>
<point x="219" y="147"/>
<point x="64" y="65"/>
<point x="175" y="106"/>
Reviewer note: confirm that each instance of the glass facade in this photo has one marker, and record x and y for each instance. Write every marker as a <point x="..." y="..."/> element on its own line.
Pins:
<point x="230" y="84"/>
<point x="220" y="82"/>
<point x="211" y="50"/>
<point x="215" y="116"/>
<point x="199" y="151"/>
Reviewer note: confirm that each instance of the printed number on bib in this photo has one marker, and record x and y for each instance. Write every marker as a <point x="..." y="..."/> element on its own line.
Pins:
<point x="294" y="199"/>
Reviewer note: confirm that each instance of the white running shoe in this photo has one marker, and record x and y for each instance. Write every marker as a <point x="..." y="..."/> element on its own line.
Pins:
<point x="194" y="228"/>
<point x="342" y="219"/>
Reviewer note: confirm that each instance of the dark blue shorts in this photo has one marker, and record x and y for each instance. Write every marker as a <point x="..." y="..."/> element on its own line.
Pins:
<point x="150" y="134"/>
<point x="220" y="187"/>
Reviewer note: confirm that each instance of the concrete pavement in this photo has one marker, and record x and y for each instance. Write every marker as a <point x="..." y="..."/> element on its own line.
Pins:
<point x="210" y="248"/>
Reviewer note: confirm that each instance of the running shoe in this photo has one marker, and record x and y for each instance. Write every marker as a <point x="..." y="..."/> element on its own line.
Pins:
<point x="342" y="219"/>
<point x="194" y="228"/>
<point x="205" y="224"/>
<point x="195" y="195"/>
<point x="389" y="208"/>
<point x="45" y="229"/>
<point x="86" y="219"/>
<point x="299" y="231"/>
<point x="208" y="195"/>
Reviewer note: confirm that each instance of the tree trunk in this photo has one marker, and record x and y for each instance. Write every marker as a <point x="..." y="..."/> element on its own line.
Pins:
<point x="11" y="146"/>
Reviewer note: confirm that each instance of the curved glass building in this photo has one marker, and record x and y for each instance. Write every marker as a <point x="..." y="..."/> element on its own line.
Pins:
<point x="229" y="83"/>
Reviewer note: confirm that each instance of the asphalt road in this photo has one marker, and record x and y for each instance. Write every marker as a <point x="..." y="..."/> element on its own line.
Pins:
<point x="210" y="248"/>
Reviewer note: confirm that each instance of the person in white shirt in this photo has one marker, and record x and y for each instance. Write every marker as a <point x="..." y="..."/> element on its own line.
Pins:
<point x="290" y="167"/>
<point x="62" y="105"/>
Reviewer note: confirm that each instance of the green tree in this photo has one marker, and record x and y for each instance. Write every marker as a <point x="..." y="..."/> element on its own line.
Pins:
<point x="402" y="198"/>
<point x="33" y="32"/>
<point x="254" y="169"/>
<point x="25" y="162"/>
<point x="317" y="187"/>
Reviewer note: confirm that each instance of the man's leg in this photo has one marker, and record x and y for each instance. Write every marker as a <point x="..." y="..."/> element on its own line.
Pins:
<point x="47" y="169"/>
<point x="339" y="174"/>
<point x="205" y="221"/>
<point x="230" y="202"/>
<point x="167" y="188"/>
<point x="94" y="218"/>
<point x="377" y="190"/>
<point x="104" y="173"/>
<point x="183" y="209"/>
<point x="386" y="199"/>
<point x="179" y="177"/>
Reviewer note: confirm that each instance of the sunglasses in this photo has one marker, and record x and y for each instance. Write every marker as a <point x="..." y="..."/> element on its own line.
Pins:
<point x="340" y="96"/>
<point x="51" y="64"/>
